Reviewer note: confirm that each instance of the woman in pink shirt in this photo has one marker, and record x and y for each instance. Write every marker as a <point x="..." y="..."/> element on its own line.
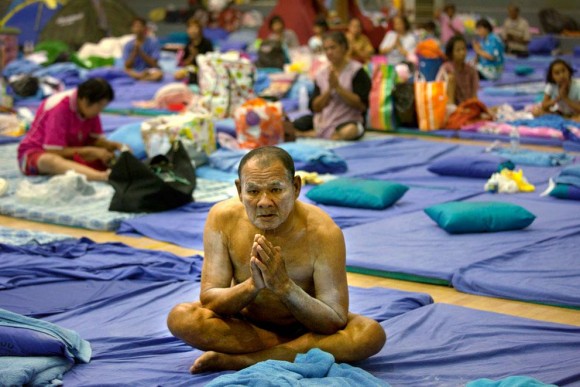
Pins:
<point x="66" y="134"/>
<point x="341" y="95"/>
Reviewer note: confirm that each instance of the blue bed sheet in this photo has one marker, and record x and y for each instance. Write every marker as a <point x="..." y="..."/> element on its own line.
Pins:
<point x="413" y="245"/>
<point x="547" y="273"/>
<point x="446" y="345"/>
<point x="118" y="298"/>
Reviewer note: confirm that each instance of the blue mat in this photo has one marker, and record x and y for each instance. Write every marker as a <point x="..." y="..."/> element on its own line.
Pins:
<point x="547" y="272"/>
<point x="411" y="246"/>
<point x="17" y="237"/>
<point x="468" y="135"/>
<point x="377" y="158"/>
<point x="111" y="122"/>
<point x="10" y="139"/>
<point x="126" y="94"/>
<point x="118" y="298"/>
<point x="445" y="345"/>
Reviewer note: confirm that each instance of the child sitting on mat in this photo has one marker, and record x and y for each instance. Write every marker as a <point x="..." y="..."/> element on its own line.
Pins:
<point x="66" y="134"/>
<point x="562" y="92"/>
<point x="462" y="77"/>
<point x="489" y="50"/>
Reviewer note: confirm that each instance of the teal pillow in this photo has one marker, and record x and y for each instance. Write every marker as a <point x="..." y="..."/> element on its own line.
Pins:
<point x="358" y="193"/>
<point x="472" y="217"/>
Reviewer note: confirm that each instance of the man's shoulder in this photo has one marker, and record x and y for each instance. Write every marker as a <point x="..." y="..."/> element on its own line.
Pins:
<point x="226" y="209"/>
<point x="316" y="219"/>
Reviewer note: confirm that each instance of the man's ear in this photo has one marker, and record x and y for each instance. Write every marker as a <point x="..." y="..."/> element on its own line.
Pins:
<point x="297" y="183"/>
<point x="239" y="188"/>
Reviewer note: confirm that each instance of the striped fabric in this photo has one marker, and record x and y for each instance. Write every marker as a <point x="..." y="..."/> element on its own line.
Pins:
<point x="431" y="102"/>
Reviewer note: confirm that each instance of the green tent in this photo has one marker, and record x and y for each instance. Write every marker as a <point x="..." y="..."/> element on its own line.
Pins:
<point x="82" y="21"/>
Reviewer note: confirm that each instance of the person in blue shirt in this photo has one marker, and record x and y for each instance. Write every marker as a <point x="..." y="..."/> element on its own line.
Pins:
<point x="141" y="54"/>
<point x="489" y="50"/>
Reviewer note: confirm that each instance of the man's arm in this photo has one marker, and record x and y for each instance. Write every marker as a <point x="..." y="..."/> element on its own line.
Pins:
<point x="326" y="312"/>
<point x="111" y="146"/>
<point x="217" y="292"/>
<point x="149" y="57"/>
<point x="89" y="153"/>
<point x="131" y="53"/>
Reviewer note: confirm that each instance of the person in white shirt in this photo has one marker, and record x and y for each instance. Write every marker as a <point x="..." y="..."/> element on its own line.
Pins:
<point x="516" y="33"/>
<point x="398" y="43"/>
<point x="562" y="92"/>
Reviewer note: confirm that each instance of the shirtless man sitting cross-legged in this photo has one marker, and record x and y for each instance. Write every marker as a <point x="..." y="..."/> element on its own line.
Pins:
<point x="274" y="278"/>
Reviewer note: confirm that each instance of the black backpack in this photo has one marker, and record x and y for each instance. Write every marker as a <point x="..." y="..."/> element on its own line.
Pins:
<point x="271" y="54"/>
<point x="162" y="183"/>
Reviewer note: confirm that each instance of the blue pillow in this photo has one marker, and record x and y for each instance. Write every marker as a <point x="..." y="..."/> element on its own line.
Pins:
<point x="476" y="166"/>
<point x="20" y="341"/>
<point x="474" y="217"/>
<point x="566" y="191"/>
<point x="130" y="134"/>
<point x="358" y="193"/>
<point x="543" y="45"/>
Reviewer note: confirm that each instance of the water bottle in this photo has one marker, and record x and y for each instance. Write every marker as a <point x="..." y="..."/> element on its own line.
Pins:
<point x="154" y="147"/>
<point x="303" y="98"/>
<point x="514" y="140"/>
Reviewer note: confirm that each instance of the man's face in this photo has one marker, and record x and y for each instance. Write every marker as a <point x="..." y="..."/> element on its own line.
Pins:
<point x="267" y="193"/>
<point x="138" y="28"/>
<point x="513" y="12"/>
<point x="88" y="110"/>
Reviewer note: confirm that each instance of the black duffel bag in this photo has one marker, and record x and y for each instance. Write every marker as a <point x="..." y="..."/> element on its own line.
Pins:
<point x="159" y="184"/>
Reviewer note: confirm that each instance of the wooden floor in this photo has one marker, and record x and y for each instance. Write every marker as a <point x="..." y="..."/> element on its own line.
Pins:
<point x="439" y="293"/>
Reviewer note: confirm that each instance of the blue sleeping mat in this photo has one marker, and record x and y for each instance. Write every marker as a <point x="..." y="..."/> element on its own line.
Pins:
<point x="17" y="237"/>
<point x="118" y="298"/>
<point x="111" y="122"/>
<point x="411" y="246"/>
<point x="446" y="345"/>
<point x="127" y="93"/>
<point x="547" y="272"/>
<point x="376" y="158"/>
<point x="468" y="135"/>
<point x="10" y="139"/>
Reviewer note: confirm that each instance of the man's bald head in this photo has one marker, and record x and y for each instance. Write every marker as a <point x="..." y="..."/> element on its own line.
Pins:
<point x="268" y="155"/>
